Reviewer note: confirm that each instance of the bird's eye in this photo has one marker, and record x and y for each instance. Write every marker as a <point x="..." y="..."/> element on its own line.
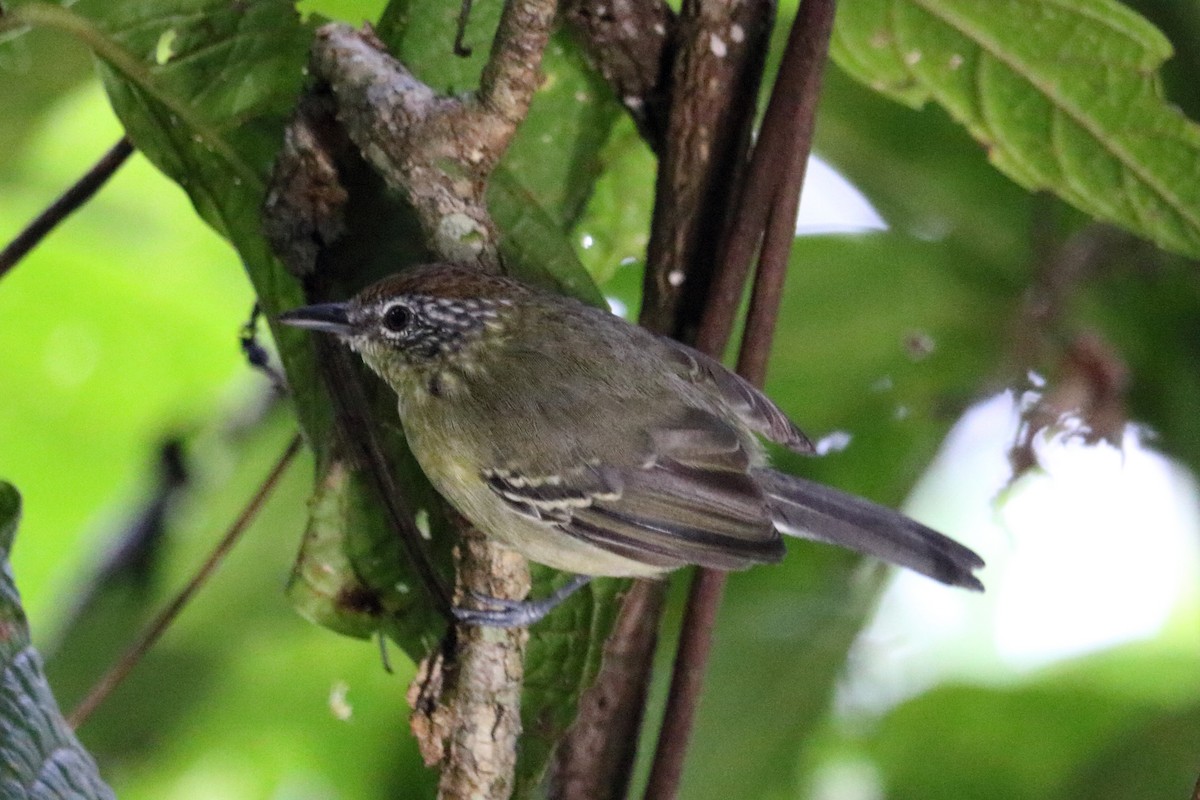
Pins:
<point x="396" y="318"/>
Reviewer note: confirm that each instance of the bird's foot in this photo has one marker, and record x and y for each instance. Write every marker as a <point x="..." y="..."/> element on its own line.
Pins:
<point x="498" y="612"/>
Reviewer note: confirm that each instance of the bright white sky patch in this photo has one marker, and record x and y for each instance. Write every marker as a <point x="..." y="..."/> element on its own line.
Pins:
<point x="831" y="204"/>
<point x="1104" y="544"/>
<point x="1099" y="548"/>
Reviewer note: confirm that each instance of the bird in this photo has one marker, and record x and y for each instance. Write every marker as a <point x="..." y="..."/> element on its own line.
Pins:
<point x="594" y="446"/>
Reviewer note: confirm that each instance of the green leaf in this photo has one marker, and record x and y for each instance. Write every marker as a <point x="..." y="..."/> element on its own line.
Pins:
<point x="556" y="154"/>
<point x="614" y="229"/>
<point x="1064" y="94"/>
<point x="352" y="574"/>
<point x="534" y="247"/>
<point x="39" y="754"/>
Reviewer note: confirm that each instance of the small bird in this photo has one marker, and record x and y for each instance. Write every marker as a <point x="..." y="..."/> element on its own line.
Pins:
<point x="594" y="446"/>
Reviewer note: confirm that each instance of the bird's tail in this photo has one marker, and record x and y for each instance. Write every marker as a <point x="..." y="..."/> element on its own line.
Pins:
<point x="814" y="511"/>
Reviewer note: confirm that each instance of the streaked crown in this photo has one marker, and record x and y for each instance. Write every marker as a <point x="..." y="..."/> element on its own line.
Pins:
<point x="430" y="312"/>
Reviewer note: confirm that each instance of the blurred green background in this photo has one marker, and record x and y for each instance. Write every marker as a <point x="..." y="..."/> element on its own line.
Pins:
<point x="119" y="334"/>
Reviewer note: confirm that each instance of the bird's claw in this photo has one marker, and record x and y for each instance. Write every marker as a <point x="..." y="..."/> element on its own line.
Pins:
<point x="489" y="603"/>
<point x="500" y="612"/>
<point x="503" y="614"/>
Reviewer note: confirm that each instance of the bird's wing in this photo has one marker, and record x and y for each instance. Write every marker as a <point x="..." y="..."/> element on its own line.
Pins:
<point x="692" y="501"/>
<point x="754" y="408"/>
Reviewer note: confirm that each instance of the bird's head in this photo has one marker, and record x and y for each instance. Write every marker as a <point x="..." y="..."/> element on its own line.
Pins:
<point x="425" y="318"/>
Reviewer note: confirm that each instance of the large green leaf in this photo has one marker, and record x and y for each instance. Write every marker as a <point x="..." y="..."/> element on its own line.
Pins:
<point x="1064" y="94"/>
<point x="39" y="754"/>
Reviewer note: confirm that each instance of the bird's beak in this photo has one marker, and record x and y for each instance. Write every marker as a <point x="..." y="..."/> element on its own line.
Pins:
<point x="328" y="317"/>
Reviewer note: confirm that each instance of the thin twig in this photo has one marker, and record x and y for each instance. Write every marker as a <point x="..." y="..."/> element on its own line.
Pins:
<point x="67" y="202"/>
<point x="258" y="356"/>
<point x="121" y="669"/>
<point x="763" y="314"/>
<point x="777" y="138"/>
<point x="802" y="68"/>
<point x="687" y="681"/>
<point x="460" y="32"/>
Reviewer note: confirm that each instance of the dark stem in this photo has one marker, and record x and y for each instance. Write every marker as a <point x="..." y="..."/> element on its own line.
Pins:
<point x="121" y="669"/>
<point x="460" y="32"/>
<point x="800" y="76"/>
<point x="793" y="100"/>
<point x="763" y="314"/>
<point x="714" y="87"/>
<point x="687" y="682"/>
<point x="632" y="43"/>
<point x="595" y="759"/>
<point x="258" y="356"/>
<point x="67" y="202"/>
